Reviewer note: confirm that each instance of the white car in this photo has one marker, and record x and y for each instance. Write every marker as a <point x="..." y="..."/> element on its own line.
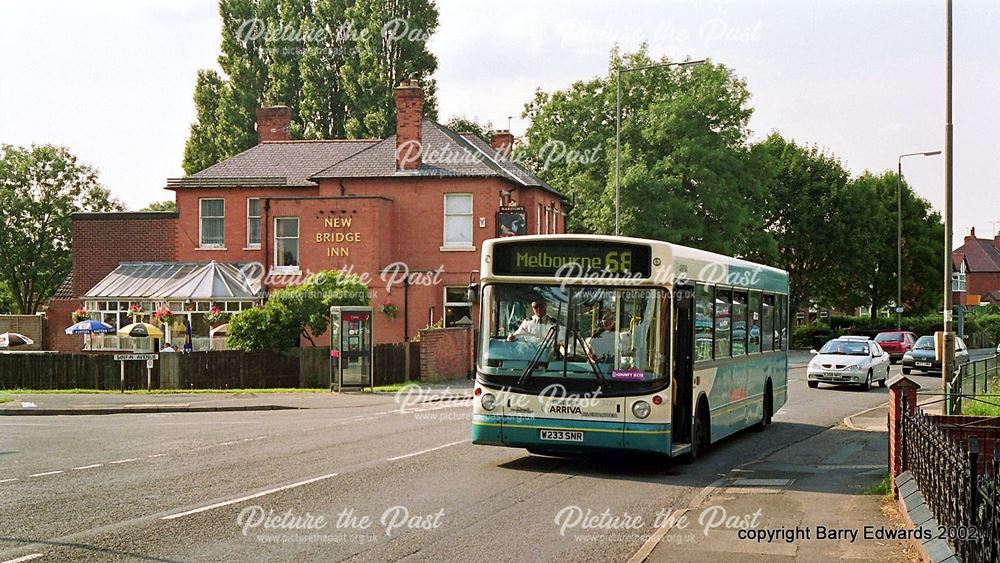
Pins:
<point x="850" y="360"/>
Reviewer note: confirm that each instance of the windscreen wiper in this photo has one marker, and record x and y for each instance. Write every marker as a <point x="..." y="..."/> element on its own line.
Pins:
<point x="593" y="363"/>
<point x="536" y="359"/>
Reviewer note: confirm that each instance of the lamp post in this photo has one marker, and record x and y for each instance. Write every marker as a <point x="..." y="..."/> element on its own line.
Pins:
<point x="899" y="231"/>
<point x="947" y="361"/>
<point x="618" y="127"/>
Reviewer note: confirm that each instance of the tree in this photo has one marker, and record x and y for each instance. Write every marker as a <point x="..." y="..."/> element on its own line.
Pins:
<point x="922" y="231"/>
<point x="335" y="63"/>
<point x="300" y="311"/>
<point x="687" y="172"/>
<point x="165" y="205"/>
<point x="40" y="188"/>
<point x="6" y="299"/>
<point x="813" y="218"/>
<point x="462" y="124"/>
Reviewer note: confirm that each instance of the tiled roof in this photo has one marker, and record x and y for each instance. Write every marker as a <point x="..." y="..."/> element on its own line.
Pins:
<point x="445" y="153"/>
<point x="65" y="290"/>
<point x="293" y="161"/>
<point x="980" y="255"/>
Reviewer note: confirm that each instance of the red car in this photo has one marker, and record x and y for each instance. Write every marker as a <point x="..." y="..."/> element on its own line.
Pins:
<point x="896" y="343"/>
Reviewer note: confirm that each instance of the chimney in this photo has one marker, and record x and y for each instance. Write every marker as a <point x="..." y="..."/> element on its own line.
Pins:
<point x="996" y="242"/>
<point x="971" y="235"/>
<point x="273" y="123"/>
<point x="503" y="142"/>
<point x="409" y="113"/>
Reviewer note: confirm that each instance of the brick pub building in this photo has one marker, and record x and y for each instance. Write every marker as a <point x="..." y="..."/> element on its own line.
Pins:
<point x="410" y="212"/>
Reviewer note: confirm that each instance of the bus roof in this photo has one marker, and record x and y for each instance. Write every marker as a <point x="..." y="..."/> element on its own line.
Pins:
<point x="670" y="262"/>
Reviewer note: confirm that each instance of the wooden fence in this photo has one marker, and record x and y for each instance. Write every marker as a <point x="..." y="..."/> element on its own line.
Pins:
<point x="229" y="369"/>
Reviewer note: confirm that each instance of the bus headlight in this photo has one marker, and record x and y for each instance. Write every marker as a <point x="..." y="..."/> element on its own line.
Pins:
<point x="640" y="409"/>
<point x="488" y="401"/>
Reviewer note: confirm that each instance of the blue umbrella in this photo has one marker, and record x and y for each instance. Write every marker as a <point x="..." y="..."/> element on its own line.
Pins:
<point x="90" y="326"/>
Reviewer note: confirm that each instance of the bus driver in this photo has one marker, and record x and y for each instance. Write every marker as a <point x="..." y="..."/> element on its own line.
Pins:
<point x="535" y="328"/>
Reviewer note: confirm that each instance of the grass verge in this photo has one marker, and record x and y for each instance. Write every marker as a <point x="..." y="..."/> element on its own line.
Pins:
<point x="979" y="408"/>
<point x="6" y="399"/>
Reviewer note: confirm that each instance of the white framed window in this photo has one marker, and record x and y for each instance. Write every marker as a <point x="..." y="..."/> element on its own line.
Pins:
<point x="538" y="220"/>
<point x="253" y="222"/>
<point x="555" y="220"/>
<point x="286" y="243"/>
<point x="212" y="222"/>
<point x="546" y="231"/>
<point x="456" y="306"/>
<point x="458" y="220"/>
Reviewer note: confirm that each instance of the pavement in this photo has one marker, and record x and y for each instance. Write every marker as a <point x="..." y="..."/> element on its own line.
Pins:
<point x="50" y="404"/>
<point x="183" y="486"/>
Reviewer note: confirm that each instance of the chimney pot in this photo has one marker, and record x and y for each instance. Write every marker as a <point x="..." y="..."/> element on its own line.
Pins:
<point x="409" y="115"/>
<point x="273" y="123"/>
<point x="503" y="142"/>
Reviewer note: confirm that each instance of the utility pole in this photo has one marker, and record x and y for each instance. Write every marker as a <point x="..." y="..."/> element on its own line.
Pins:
<point x="948" y="356"/>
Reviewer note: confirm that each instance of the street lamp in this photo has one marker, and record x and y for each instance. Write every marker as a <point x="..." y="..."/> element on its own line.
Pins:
<point x="899" y="231"/>
<point x="618" y="127"/>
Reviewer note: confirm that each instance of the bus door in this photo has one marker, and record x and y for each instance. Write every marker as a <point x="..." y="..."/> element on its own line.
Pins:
<point x="683" y="333"/>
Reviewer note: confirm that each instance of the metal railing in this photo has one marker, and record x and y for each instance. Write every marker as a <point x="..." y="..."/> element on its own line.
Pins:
<point x="965" y="502"/>
<point x="974" y="381"/>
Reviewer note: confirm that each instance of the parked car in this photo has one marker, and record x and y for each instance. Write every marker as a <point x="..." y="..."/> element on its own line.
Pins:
<point x="896" y="343"/>
<point x="921" y="357"/>
<point x="852" y="360"/>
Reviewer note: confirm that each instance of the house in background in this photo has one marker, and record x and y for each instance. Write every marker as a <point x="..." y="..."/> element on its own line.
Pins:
<point x="410" y="212"/>
<point x="976" y="271"/>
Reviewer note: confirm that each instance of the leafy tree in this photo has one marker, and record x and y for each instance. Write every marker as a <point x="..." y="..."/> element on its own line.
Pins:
<point x="40" y="188"/>
<point x="812" y="217"/>
<point x="296" y="311"/>
<point x="335" y="63"/>
<point x="391" y="45"/>
<point x="165" y="205"/>
<point x="6" y="299"/>
<point x="462" y="124"/>
<point x="687" y="171"/>
<point x="922" y="231"/>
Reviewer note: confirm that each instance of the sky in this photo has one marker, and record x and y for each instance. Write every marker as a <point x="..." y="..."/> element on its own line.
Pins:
<point x="865" y="80"/>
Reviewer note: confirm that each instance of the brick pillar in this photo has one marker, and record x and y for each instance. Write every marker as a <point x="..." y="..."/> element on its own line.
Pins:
<point x="902" y="391"/>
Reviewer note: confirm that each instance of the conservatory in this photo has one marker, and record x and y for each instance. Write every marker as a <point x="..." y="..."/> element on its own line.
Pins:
<point x="172" y="295"/>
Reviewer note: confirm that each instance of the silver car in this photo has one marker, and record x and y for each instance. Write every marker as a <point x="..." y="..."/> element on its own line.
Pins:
<point x="849" y="360"/>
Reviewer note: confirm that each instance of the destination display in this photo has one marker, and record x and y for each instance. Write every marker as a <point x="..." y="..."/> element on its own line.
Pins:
<point x="572" y="258"/>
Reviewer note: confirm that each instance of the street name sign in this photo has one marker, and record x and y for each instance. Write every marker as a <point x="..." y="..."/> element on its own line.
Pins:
<point x="135" y="357"/>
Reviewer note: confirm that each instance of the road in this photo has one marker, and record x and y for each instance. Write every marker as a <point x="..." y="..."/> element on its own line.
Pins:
<point x="186" y="487"/>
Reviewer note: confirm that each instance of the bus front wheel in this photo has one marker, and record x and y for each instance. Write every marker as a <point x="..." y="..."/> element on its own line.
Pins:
<point x="699" y="433"/>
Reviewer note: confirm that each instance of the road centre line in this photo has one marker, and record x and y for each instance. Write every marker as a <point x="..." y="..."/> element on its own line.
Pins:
<point x="124" y="460"/>
<point x="426" y="451"/>
<point x="25" y="558"/>
<point x="8" y="480"/>
<point x="88" y="466"/>
<point x="248" y="497"/>
<point x="47" y="473"/>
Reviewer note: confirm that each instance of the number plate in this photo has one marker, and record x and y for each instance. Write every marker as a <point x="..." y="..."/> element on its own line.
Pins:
<point x="561" y="435"/>
<point x="922" y="364"/>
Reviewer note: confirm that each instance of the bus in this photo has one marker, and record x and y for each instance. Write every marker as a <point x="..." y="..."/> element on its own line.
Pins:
<point x="640" y="345"/>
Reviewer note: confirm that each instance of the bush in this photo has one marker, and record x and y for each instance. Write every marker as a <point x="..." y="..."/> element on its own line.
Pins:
<point x="990" y="324"/>
<point x="812" y="335"/>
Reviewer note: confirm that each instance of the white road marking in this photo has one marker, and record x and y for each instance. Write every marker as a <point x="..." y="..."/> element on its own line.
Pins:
<point x="88" y="466"/>
<point x="25" y="558"/>
<point x="8" y="480"/>
<point x="157" y="455"/>
<point x="47" y="473"/>
<point x="124" y="460"/>
<point x="426" y="451"/>
<point x="248" y="497"/>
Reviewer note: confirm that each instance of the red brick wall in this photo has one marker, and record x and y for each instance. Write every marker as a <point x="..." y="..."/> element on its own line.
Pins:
<point x="103" y="240"/>
<point x="59" y="316"/>
<point x="273" y="123"/>
<point x="445" y="353"/>
<point x="979" y="283"/>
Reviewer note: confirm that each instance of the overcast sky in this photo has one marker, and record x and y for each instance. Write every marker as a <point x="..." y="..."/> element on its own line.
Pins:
<point x="113" y="80"/>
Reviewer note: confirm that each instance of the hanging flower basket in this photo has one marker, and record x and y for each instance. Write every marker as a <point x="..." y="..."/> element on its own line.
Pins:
<point x="79" y="315"/>
<point x="134" y="310"/>
<point x="389" y="310"/>
<point x="163" y="315"/>
<point x="216" y="316"/>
